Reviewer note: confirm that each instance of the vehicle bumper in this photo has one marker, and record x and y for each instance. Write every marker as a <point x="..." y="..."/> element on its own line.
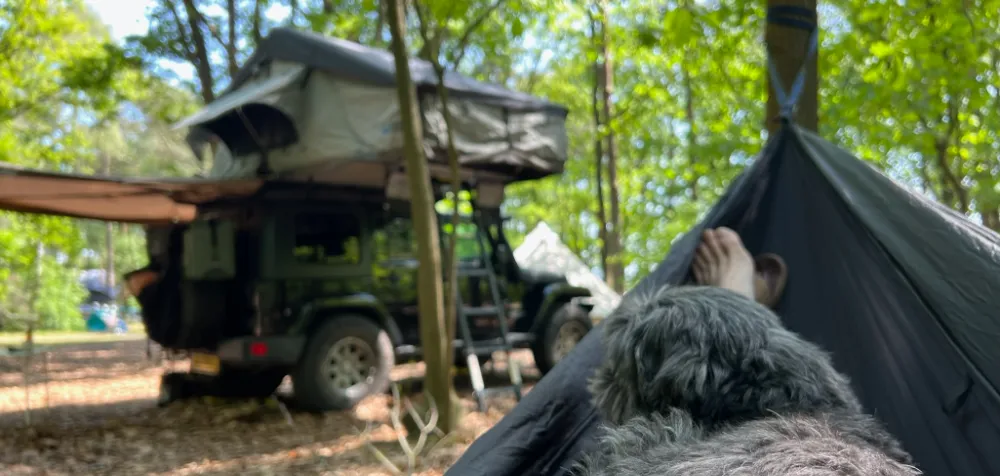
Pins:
<point x="271" y="350"/>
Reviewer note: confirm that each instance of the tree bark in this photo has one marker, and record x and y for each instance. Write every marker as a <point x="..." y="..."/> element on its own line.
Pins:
<point x="379" y="27"/>
<point x="256" y="23"/>
<point x="787" y="47"/>
<point x="201" y="63"/>
<point x="692" y="141"/>
<point x="293" y="11"/>
<point x="429" y="285"/>
<point x="231" y="43"/>
<point x="617" y="271"/>
<point x="602" y="214"/>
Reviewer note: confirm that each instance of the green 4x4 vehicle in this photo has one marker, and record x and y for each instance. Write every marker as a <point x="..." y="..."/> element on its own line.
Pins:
<point x="312" y="272"/>
<point x="322" y="287"/>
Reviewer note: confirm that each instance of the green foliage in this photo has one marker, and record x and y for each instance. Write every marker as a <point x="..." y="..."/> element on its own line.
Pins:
<point x="59" y="297"/>
<point x="914" y="89"/>
<point x="69" y="99"/>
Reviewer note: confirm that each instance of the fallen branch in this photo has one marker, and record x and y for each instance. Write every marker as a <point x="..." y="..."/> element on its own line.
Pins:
<point x="426" y="427"/>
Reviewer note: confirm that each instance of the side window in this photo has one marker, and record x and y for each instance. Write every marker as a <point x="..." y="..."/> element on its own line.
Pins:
<point x="395" y="240"/>
<point x="328" y="238"/>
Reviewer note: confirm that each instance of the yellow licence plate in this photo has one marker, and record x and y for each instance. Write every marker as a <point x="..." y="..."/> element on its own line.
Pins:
<point x="207" y="364"/>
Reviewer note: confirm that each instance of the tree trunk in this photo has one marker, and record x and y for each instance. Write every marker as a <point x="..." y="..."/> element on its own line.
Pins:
<point x="430" y="298"/>
<point x="328" y="7"/>
<point x="201" y="63"/>
<point x="231" y="44"/>
<point x="788" y="47"/>
<point x="602" y="214"/>
<point x="451" y="262"/>
<point x="617" y="271"/>
<point x="379" y="26"/>
<point x="293" y="11"/>
<point x="692" y="142"/>
<point x="257" y="20"/>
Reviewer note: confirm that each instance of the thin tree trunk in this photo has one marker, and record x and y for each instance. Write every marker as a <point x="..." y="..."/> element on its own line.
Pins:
<point x="595" y="109"/>
<point x="451" y="263"/>
<point x="429" y="285"/>
<point x="379" y="26"/>
<point x="231" y="44"/>
<point x="328" y="6"/>
<point x="293" y="11"/>
<point x="787" y="47"/>
<point x="201" y="63"/>
<point x="256" y="23"/>
<point x="617" y="271"/>
<point x="692" y="151"/>
<point x="602" y="214"/>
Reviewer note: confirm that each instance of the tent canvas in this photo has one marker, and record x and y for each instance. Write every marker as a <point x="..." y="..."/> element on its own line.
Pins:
<point x="315" y="104"/>
<point x="542" y="250"/>
<point x="130" y="200"/>
<point x="902" y="291"/>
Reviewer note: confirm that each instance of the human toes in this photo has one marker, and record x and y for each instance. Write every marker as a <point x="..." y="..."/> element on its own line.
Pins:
<point x="714" y="247"/>
<point x="729" y="242"/>
<point x="700" y="267"/>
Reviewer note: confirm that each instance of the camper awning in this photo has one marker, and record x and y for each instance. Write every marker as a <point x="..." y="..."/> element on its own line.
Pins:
<point x="257" y="91"/>
<point x="142" y="201"/>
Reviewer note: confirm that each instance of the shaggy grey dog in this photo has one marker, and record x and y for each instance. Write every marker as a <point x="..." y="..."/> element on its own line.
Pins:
<point x="673" y="445"/>
<point x="714" y="353"/>
<point x="724" y="360"/>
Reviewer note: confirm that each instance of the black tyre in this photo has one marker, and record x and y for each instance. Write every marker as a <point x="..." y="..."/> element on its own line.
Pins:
<point x="346" y="359"/>
<point x="559" y="335"/>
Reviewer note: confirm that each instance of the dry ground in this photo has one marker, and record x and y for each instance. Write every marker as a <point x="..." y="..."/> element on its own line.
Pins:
<point x="101" y="418"/>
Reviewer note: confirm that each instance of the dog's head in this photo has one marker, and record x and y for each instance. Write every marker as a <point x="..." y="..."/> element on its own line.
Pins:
<point x="714" y="353"/>
<point x="675" y="347"/>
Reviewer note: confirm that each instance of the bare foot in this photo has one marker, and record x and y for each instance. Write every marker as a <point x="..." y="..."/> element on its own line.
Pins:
<point x="721" y="260"/>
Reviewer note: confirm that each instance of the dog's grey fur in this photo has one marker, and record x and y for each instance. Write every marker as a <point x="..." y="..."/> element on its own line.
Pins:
<point x="673" y="445"/>
<point x="724" y="360"/>
<point x="714" y="353"/>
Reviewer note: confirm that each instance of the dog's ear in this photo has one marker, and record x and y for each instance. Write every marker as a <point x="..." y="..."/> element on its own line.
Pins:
<point x="648" y="352"/>
<point x="614" y="396"/>
<point x="791" y="372"/>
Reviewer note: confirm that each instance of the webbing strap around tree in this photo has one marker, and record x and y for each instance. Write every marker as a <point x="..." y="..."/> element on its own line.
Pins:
<point x="803" y="19"/>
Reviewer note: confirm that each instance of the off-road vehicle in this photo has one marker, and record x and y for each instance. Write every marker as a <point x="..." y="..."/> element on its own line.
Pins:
<point x="299" y="259"/>
<point x="322" y="287"/>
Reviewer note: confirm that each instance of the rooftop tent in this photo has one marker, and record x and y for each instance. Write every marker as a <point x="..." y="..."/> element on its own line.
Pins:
<point x="543" y="250"/>
<point x="325" y="109"/>
<point x="902" y="291"/>
<point x="130" y="200"/>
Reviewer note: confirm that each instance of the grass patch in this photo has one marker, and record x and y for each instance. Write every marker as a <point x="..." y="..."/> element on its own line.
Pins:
<point x="16" y="338"/>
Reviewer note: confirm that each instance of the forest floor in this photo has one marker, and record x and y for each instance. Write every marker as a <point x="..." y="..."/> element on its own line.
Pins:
<point x="101" y="418"/>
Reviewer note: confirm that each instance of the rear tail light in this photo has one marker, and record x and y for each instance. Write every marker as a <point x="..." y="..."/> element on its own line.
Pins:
<point x="258" y="349"/>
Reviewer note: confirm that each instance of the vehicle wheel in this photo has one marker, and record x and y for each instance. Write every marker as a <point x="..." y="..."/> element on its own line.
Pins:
<point x="565" y="328"/>
<point x="347" y="359"/>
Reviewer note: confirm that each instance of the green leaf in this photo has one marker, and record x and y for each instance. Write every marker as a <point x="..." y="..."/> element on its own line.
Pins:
<point x="881" y="49"/>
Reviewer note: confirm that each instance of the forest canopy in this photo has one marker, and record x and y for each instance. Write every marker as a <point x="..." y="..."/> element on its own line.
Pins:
<point x="680" y="87"/>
